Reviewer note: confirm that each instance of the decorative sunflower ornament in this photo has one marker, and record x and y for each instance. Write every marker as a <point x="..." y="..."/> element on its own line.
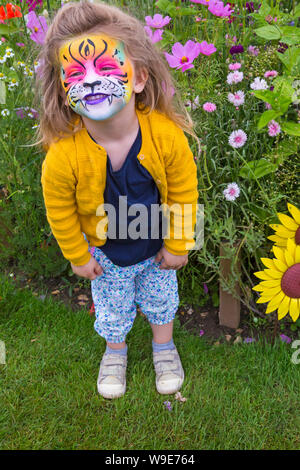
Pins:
<point x="280" y="285"/>
<point x="290" y="227"/>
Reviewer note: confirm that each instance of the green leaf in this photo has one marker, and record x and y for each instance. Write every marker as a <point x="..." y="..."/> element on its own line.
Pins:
<point x="166" y="7"/>
<point x="291" y="128"/>
<point x="266" y="117"/>
<point x="268" y="32"/>
<point x="290" y="34"/>
<point x="2" y="92"/>
<point x="5" y="29"/>
<point x="257" y="168"/>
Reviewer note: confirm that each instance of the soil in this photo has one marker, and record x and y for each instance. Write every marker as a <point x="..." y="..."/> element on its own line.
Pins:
<point x="199" y="321"/>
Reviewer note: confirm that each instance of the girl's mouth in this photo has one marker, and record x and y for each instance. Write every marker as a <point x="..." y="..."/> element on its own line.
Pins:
<point x="97" y="98"/>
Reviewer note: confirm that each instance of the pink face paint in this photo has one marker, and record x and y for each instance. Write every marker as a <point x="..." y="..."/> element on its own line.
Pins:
<point x="96" y="75"/>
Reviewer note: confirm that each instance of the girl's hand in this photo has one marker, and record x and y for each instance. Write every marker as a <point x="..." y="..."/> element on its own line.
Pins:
<point x="90" y="270"/>
<point x="170" y="261"/>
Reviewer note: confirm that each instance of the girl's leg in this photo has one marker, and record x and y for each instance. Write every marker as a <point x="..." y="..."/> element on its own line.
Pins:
<point x="162" y="333"/>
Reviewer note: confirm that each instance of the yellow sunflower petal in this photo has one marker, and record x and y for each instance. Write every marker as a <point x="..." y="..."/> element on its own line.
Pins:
<point x="288" y="222"/>
<point x="258" y="288"/>
<point x="295" y="212"/>
<point x="284" y="307"/>
<point x="270" y="309"/>
<point x="297" y="254"/>
<point x="284" y="232"/>
<point x="276" y="301"/>
<point x="279" y="253"/>
<point x="294" y="309"/>
<point x="263" y="275"/>
<point x="280" y="265"/>
<point x="273" y="274"/>
<point x="291" y="246"/>
<point x="271" y="283"/>
<point x="278" y="240"/>
<point x="271" y="296"/>
<point x="268" y="263"/>
<point x="289" y="258"/>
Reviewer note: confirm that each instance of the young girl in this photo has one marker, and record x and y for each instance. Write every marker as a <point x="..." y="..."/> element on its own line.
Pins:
<point x="115" y="141"/>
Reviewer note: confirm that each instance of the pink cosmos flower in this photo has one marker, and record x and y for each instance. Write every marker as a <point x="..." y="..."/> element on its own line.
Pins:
<point x="155" y="36"/>
<point x="234" y="66"/>
<point x="183" y="56"/>
<point x="237" y="138"/>
<point x="236" y="98"/>
<point x="271" y="73"/>
<point x="209" y="107"/>
<point x="274" y="128"/>
<point x="157" y="21"/>
<point x="20" y="44"/>
<point x="231" y="192"/>
<point x="202" y="2"/>
<point x="234" y="77"/>
<point x="268" y="106"/>
<point x="217" y="8"/>
<point x="38" y="26"/>
<point x="206" y="49"/>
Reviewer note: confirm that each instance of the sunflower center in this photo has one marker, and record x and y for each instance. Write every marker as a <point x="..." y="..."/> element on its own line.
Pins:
<point x="290" y="282"/>
<point x="297" y="236"/>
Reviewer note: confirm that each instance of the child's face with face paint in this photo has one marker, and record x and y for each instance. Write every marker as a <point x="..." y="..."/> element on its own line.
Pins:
<point x="97" y="76"/>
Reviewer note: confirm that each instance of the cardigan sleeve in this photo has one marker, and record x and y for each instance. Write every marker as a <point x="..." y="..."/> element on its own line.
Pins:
<point x="182" y="196"/>
<point x="59" y="192"/>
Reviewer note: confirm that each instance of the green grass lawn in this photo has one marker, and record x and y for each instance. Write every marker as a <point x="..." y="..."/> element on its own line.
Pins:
<point x="243" y="396"/>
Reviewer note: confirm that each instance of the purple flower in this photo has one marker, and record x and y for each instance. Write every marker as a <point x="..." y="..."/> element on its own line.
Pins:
<point x="205" y="288"/>
<point x="168" y="405"/>
<point x="154" y="36"/>
<point x="157" y="21"/>
<point x="183" y="56"/>
<point x="249" y="340"/>
<point x="285" y="339"/>
<point x="201" y="332"/>
<point x="33" y="4"/>
<point x="236" y="49"/>
<point x="38" y="26"/>
<point x="20" y="44"/>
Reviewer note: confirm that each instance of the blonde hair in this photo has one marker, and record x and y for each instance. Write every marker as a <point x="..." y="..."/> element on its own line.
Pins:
<point x="57" y="119"/>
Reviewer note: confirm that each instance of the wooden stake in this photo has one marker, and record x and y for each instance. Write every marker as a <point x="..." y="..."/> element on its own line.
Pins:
<point x="229" y="313"/>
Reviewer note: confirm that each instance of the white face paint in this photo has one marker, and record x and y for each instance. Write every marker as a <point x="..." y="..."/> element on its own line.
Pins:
<point x="96" y="75"/>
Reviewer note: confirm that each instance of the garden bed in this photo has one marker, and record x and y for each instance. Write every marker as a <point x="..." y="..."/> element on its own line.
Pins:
<point x="198" y="320"/>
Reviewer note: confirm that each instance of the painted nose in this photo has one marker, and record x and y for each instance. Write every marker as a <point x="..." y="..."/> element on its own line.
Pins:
<point x="92" y="84"/>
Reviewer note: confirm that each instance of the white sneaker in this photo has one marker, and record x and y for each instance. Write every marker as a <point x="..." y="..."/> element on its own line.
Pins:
<point x="111" y="381"/>
<point x="169" y="371"/>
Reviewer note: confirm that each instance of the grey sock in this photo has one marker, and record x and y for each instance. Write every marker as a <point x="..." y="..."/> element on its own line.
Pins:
<point x="122" y="351"/>
<point x="163" y="346"/>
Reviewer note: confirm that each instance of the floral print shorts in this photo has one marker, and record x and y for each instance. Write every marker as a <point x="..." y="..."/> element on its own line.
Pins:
<point x="119" y="289"/>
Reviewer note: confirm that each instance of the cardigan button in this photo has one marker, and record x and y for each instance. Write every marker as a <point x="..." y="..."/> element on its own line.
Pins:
<point x="158" y="181"/>
<point x="142" y="157"/>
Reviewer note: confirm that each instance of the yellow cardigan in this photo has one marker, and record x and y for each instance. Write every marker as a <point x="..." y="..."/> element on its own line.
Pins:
<point x="74" y="176"/>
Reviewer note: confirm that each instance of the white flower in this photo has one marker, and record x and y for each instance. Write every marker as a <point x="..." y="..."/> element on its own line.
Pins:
<point x="2" y="76"/>
<point x="2" y="59"/>
<point x="35" y="126"/>
<point x="235" y="77"/>
<point x="5" y="112"/>
<point x="12" y="84"/>
<point x="259" y="84"/>
<point x="231" y="192"/>
<point x="236" y="98"/>
<point x="9" y="52"/>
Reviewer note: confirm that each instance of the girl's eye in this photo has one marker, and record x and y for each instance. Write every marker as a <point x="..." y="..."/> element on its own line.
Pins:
<point x="106" y="68"/>
<point x="75" y="74"/>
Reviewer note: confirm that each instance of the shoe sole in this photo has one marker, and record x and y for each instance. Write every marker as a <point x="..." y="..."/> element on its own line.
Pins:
<point x="109" y="394"/>
<point x="169" y="391"/>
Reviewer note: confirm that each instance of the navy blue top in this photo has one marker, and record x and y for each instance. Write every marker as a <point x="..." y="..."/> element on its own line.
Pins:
<point x="135" y="182"/>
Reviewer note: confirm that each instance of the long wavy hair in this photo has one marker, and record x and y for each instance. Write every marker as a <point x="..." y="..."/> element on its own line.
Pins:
<point x="58" y="120"/>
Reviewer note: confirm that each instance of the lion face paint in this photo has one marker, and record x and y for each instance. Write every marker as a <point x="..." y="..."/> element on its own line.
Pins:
<point x="96" y="75"/>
